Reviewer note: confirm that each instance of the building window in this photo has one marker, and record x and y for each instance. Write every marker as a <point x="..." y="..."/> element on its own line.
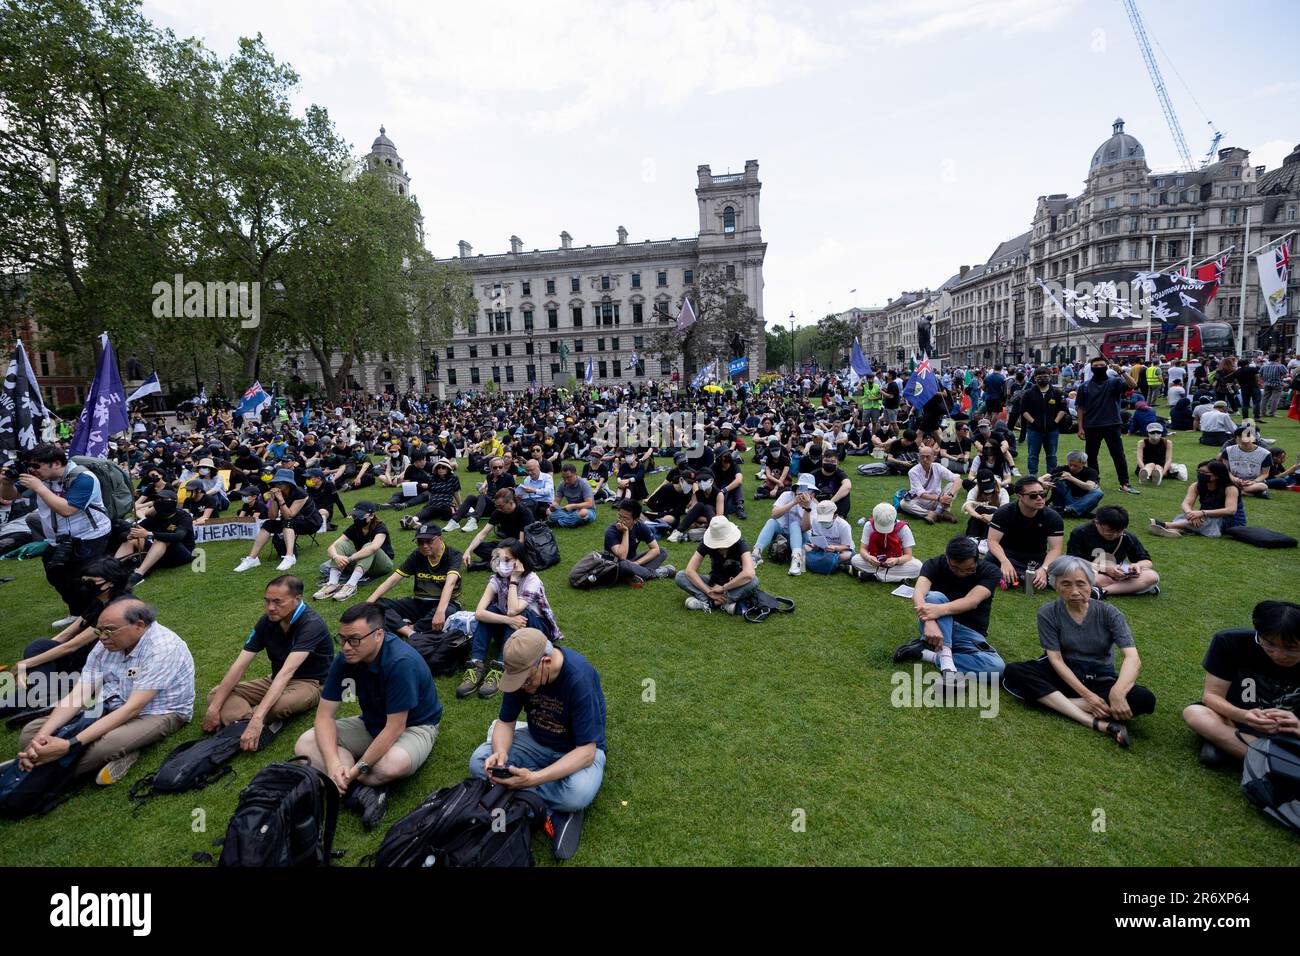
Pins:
<point x="1175" y="249"/>
<point x="528" y="347"/>
<point x="618" y="369"/>
<point x="473" y="351"/>
<point x="532" y="373"/>
<point x="1132" y="199"/>
<point x="731" y="271"/>
<point x="574" y="284"/>
<point x="638" y="342"/>
<point x="555" y="369"/>
<point x="577" y="345"/>
<point x="665" y="366"/>
<point x="494" y="350"/>
<point x="1108" y="202"/>
<point x="662" y="278"/>
<point x="510" y="373"/>
<point x="604" y="283"/>
<point x="1193" y="220"/>
<point x="451" y="376"/>
<point x="507" y="349"/>
<point x="550" y="287"/>
<point x="601" y="370"/>
<point x="555" y="347"/>
<point x="552" y="318"/>
<point x="577" y="316"/>
<point x="600" y="344"/>
<point x="473" y="375"/>
<point x="613" y="344"/>
<point x="451" y="352"/>
<point x="528" y="320"/>
<point x="496" y="374"/>
<point x="528" y="287"/>
<point x="636" y="280"/>
<point x="638" y="316"/>
<point x="729" y="219"/>
<point x="688" y="276"/>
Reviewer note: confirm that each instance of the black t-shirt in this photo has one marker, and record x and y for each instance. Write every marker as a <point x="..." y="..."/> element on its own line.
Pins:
<point x="1247" y="377"/>
<point x="640" y="534"/>
<point x="508" y="525"/>
<point x="903" y="451"/>
<point x="1235" y="657"/>
<point x="1026" y="538"/>
<point x="307" y="632"/>
<point x="954" y="588"/>
<point x="956" y="448"/>
<point x="432" y="577"/>
<point x="890" y="396"/>
<point x="1086" y="539"/>
<point x="357" y="534"/>
<point x="1100" y="401"/>
<point x="1086" y="473"/>
<point x="719" y="557"/>
<point x="177" y="528"/>
<point x="828" y="485"/>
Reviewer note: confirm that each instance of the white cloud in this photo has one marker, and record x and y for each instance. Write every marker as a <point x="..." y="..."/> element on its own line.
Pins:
<point x="1274" y="89"/>
<point x="1271" y="153"/>
<point x="904" y="22"/>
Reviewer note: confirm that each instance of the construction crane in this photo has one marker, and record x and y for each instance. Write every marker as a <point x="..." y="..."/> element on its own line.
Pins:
<point x="1158" y="82"/>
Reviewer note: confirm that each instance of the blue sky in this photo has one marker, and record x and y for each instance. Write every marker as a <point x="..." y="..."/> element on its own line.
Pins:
<point x="897" y="139"/>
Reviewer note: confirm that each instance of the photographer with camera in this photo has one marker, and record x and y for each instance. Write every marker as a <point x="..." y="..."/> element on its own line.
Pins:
<point x="73" y="517"/>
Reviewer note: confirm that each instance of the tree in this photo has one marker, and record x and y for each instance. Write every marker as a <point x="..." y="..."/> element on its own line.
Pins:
<point x="721" y="312"/>
<point x="834" y="338"/>
<point x="778" y="349"/>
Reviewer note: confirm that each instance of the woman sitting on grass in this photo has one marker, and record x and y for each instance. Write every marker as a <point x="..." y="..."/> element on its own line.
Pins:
<point x="1221" y="506"/>
<point x="1155" y="455"/>
<point x="1076" y="674"/>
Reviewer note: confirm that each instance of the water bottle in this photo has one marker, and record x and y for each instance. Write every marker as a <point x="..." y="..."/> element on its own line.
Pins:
<point x="1030" y="571"/>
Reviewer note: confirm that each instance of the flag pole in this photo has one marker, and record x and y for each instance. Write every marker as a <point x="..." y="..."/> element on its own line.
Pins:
<point x="1147" y="358"/>
<point x="1191" y="244"/>
<point x="1272" y="242"/>
<point x="1241" y="302"/>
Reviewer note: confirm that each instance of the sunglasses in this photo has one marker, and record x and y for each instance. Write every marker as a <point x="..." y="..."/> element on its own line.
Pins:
<point x="1034" y="494"/>
<point x="356" y="641"/>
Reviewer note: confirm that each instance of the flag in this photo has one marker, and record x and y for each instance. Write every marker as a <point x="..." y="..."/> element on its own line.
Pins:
<point x="635" y="360"/>
<point x="1274" y="270"/>
<point x="590" y="375"/>
<point x="104" y="413"/>
<point x="253" y="400"/>
<point x="1212" y="274"/>
<point x="921" y="385"/>
<point x="22" y="411"/>
<point x="686" y="317"/>
<point x="150" y="386"/>
<point x="859" y="361"/>
<point x="306" y="415"/>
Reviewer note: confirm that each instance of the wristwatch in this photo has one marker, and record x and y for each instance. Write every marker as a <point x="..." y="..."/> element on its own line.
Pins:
<point x="363" y="768"/>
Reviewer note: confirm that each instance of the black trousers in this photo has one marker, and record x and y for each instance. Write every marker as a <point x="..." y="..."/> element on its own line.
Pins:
<point x="429" y="512"/>
<point x="1034" y="680"/>
<point x="66" y="578"/>
<point x="694" y="514"/>
<point x="418" y="612"/>
<point x="1110" y="434"/>
<point x="476" y="503"/>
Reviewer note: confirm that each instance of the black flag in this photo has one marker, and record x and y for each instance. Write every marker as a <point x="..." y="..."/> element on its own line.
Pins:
<point x="22" y="412"/>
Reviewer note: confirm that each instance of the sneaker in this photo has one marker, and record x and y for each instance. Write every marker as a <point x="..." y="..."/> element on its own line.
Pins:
<point x="473" y="678"/>
<point x="372" y="803"/>
<point x="452" y="525"/>
<point x="325" y="592"/>
<point x="410" y="523"/>
<point x="730" y="607"/>
<point x="675" y="538"/>
<point x="757" y="556"/>
<point x="491" y="681"/>
<point x="698" y="604"/>
<point x="247" y="564"/>
<point x="1212" y="756"/>
<point x="564" y="830"/>
<point x="1154" y="590"/>
<point x="742" y="514"/>
<point x="288" y="562"/>
<point x="863" y="576"/>
<point x="911" y="651"/>
<point x="635" y="583"/>
<point x="1162" y="530"/>
<point x="63" y="622"/>
<point x="666" y="571"/>
<point x="470" y="525"/>
<point x="135" y="579"/>
<point x="1098" y="594"/>
<point x="796" y="563"/>
<point x="345" y="591"/>
<point x="115" y="770"/>
<point x="1130" y="489"/>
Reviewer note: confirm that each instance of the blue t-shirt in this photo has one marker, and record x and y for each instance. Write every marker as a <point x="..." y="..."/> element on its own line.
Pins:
<point x="397" y="680"/>
<point x="640" y="534"/>
<point x="80" y="490"/>
<point x="994" y="387"/>
<point x="566" y="713"/>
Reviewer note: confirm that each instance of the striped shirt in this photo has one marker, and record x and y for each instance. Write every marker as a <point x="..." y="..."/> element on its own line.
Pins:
<point x="1271" y="374"/>
<point x="533" y="591"/>
<point x="159" y="661"/>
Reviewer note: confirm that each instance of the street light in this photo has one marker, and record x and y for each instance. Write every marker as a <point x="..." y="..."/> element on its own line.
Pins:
<point x="792" y="356"/>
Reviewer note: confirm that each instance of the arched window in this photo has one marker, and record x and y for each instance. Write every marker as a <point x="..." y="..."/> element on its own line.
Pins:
<point x="729" y="219"/>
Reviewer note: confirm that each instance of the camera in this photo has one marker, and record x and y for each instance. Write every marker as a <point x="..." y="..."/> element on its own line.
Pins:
<point x="12" y="469"/>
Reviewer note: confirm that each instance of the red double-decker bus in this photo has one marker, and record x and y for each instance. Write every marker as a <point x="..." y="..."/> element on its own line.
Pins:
<point x="1129" y="345"/>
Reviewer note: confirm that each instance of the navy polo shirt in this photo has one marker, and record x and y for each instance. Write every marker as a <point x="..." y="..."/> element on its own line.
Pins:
<point x="397" y="680"/>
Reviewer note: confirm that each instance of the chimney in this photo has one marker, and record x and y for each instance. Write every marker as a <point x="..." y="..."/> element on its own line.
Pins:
<point x="751" y="170"/>
<point x="705" y="175"/>
<point x="516" y="245"/>
<point x="566" y="240"/>
<point x="465" y="249"/>
<point x="622" y="236"/>
<point x="962" y="272"/>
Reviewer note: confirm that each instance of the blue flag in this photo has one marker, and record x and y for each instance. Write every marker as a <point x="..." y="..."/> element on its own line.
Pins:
<point x="921" y="385"/>
<point x="104" y="413"/>
<point x="858" y="360"/>
<point x="590" y="375"/>
<point x="306" y="415"/>
<point x="253" y="400"/>
<point x="150" y="386"/>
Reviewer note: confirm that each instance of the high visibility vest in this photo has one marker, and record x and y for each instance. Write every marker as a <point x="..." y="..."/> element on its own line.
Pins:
<point x="871" y="396"/>
<point x="1153" y="375"/>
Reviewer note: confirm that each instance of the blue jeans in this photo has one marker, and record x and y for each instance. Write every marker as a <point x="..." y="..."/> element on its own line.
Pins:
<point x="794" y="532"/>
<point x="1079" y="502"/>
<point x="569" y="519"/>
<point x="1045" y="441"/>
<point x="485" y="635"/>
<point x="971" y="653"/>
<point x="567" y="795"/>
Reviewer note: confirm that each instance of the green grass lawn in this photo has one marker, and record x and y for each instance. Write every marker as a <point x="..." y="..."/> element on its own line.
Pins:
<point x="748" y="729"/>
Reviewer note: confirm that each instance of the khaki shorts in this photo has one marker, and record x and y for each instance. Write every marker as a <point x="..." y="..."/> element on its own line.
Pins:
<point x="416" y="741"/>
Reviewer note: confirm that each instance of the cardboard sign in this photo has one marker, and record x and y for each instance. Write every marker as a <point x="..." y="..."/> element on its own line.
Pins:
<point x="226" y="531"/>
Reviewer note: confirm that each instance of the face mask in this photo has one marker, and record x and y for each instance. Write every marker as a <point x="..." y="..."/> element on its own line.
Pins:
<point x="1202" y="481"/>
<point x="205" y="472"/>
<point x="706" y="486"/>
<point x="630" y="459"/>
<point x="396" y="456"/>
<point x="685" y="486"/>
<point x="503" y="568"/>
<point x="1042" y="382"/>
<point x="1099" y="372"/>
<point x="828" y="468"/>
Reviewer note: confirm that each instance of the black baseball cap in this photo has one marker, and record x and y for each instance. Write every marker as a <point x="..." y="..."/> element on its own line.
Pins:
<point x="428" y="531"/>
<point x="363" y="510"/>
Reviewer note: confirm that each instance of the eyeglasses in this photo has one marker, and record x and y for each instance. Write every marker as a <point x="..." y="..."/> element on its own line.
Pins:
<point x="1034" y="494"/>
<point x="356" y="641"/>
<point x="1287" y="652"/>
<point x="110" y="631"/>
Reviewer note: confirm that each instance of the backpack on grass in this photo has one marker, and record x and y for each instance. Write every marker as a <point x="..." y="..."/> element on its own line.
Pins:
<point x="285" y="817"/>
<point x="540" y="547"/>
<point x="598" y="569"/>
<point x="444" y="651"/>
<point x="760" y="605"/>
<point x="779" y="552"/>
<point x="24" y="793"/>
<point x="196" y="763"/>
<point x="873" y="469"/>
<point x="470" y="824"/>
<point x="1270" y="778"/>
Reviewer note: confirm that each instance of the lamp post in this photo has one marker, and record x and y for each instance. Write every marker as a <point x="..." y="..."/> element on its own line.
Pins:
<point x="792" y="356"/>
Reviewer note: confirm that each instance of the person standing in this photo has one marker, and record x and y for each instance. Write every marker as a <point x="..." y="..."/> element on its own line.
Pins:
<point x="1098" y="405"/>
<point x="1042" y="407"/>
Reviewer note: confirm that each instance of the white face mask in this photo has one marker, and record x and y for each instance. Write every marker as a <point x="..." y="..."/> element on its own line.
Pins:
<point x="706" y="485"/>
<point x="685" y="486"/>
<point x="504" y="567"/>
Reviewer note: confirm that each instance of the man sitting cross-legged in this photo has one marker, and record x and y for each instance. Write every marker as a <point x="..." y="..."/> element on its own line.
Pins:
<point x="622" y="539"/>
<point x="435" y="567"/>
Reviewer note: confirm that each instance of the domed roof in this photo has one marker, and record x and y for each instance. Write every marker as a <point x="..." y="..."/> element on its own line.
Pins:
<point x="383" y="144"/>
<point x="1121" y="147"/>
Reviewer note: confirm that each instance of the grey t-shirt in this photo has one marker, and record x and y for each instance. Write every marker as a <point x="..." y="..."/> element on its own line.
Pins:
<point x="1247" y="464"/>
<point x="1090" y="643"/>
<point x="575" y="493"/>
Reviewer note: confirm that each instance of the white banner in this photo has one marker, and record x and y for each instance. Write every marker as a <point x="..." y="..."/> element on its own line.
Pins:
<point x="1272" y="285"/>
<point x="226" y="531"/>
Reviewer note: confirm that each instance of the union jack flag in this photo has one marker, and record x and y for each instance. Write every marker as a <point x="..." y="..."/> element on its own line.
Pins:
<point x="1283" y="259"/>
<point x="1212" y="274"/>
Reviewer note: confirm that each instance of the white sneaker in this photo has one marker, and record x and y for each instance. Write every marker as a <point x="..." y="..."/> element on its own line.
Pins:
<point x="470" y="525"/>
<point x="63" y="622"/>
<point x="675" y="538"/>
<point x="757" y="556"/>
<point x="345" y="591"/>
<point x="698" y="604"/>
<point x="1160" y="476"/>
<point x="288" y="562"/>
<point x="451" y="526"/>
<point x="247" y="564"/>
<point x="327" y="591"/>
<point x="796" y="563"/>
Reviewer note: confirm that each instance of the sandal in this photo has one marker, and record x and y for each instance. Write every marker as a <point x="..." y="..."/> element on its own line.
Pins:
<point x="1114" y="729"/>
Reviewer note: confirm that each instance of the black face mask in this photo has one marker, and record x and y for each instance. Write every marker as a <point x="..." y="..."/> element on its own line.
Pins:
<point x="1203" y="482"/>
<point x="1043" y="382"/>
<point x="1099" y="372"/>
<point x="828" y="468"/>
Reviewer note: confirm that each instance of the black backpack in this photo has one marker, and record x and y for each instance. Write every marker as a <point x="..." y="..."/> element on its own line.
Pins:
<point x="444" y="651"/>
<point x="760" y="605"/>
<point x="778" y="551"/>
<point x="196" y="763"/>
<point x="41" y="789"/>
<point x="540" y="549"/>
<point x="285" y="817"/>
<point x="599" y="569"/>
<point x="1270" y="778"/>
<point x="470" y="824"/>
